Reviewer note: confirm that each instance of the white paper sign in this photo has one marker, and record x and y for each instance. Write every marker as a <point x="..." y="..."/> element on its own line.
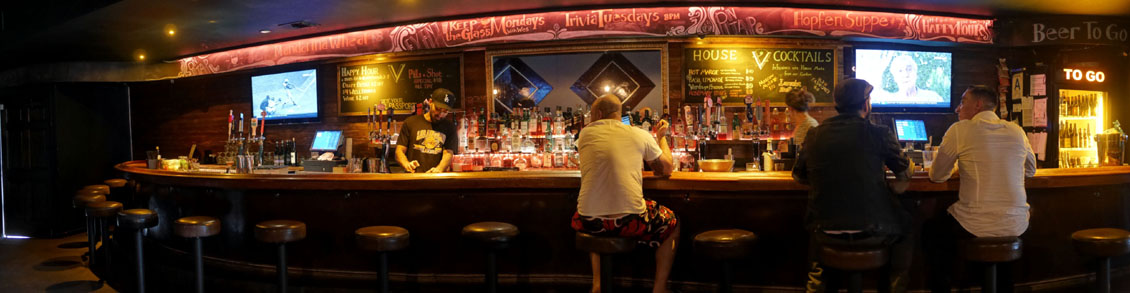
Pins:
<point x="1039" y="85"/>
<point x="1040" y="112"/>
<point x="1017" y="86"/>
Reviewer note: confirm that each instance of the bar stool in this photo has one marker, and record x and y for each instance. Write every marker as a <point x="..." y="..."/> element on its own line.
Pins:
<point x="493" y="236"/>
<point x="280" y="232"/>
<point x="1103" y="243"/>
<point x="105" y="189"/>
<point x="854" y="260"/>
<point x="103" y="212"/>
<point x="81" y="200"/>
<point x="195" y="228"/>
<point x="382" y="239"/>
<point x="605" y="247"/>
<point x="117" y="187"/>
<point x="725" y="246"/>
<point x="991" y="251"/>
<point x="138" y="220"/>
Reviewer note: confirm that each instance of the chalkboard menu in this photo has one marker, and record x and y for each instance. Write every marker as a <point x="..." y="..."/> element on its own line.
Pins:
<point x="765" y="73"/>
<point x="399" y="85"/>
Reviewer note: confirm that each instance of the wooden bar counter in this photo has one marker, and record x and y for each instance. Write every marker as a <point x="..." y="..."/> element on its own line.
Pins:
<point x="434" y="207"/>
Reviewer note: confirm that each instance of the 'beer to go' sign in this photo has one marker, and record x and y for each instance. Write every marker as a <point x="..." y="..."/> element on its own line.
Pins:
<point x="1081" y="75"/>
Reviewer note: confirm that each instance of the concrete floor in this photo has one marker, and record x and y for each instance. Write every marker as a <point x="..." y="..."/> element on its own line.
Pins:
<point x="47" y="265"/>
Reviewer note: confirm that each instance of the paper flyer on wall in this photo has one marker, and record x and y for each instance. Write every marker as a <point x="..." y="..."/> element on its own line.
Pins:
<point x="1039" y="85"/>
<point x="1040" y="112"/>
<point x="1026" y="114"/>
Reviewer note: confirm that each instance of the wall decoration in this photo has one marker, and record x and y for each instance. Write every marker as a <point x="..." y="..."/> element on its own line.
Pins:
<point x="613" y="74"/>
<point x="655" y="22"/>
<point x="517" y="85"/>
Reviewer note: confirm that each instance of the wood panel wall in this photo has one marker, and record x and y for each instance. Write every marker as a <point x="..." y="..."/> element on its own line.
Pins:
<point x="174" y="114"/>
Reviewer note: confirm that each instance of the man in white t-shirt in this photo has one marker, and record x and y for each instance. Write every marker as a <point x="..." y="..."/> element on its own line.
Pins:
<point x="993" y="157"/>
<point x="611" y="200"/>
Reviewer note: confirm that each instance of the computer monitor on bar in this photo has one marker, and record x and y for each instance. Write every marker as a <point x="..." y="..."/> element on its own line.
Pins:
<point x="326" y="141"/>
<point x="910" y="130"/>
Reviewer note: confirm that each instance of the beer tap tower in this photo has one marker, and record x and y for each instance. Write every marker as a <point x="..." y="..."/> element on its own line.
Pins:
<point x="380" y="135"/>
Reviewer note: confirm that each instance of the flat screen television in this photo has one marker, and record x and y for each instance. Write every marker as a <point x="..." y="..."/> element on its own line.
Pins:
<point x="326" y="140"/>
<point x="285" y="95"/>
<point x="910" y="130"/>
<point x="906" y="79"/>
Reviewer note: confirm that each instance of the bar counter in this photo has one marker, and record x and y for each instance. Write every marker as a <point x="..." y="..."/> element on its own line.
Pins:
<point x="434" y="207"/>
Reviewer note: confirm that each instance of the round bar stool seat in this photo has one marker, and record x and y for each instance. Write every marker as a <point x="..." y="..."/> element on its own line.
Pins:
<point x="196" y="227"/>
<point x="725" y="244"/>
<point x="135" y="219"/>
<point x="849" y="258"/>
<point x="102" y="209"/>
<point x="280" y="231"/>
<point x="492" y="234"/>
<point x="84" y="198"/>
<point x="105" y="189"/>
<point x="991" y="250"/>
<point x="382" y="238"/>
<point x="604" y="245"/>
<point x="115" y="183"/>
<point x="1103" y="243"/>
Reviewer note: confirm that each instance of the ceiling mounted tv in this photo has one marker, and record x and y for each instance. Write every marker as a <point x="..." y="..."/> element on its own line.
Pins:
<point x="906" y="79"/>
<point x="285" y="95"/>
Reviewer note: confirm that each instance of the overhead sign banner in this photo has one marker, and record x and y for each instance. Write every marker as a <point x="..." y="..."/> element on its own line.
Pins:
<point x="600" y="23"/>
<point x="1074" y="30"/>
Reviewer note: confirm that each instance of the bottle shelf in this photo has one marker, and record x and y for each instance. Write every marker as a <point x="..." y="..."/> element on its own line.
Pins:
<point x="1078" y="149"/>
<point x="1078" y="117"/>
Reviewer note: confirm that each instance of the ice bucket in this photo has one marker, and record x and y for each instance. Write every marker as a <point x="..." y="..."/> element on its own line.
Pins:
<point x="1112" y="148"/>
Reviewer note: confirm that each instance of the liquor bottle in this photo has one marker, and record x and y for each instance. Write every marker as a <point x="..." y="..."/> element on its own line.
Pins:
<point x="736" y="128"/>
<point x="558" y="122"/>
<point x="525" y="122"/>
<point x="567" y="121"/>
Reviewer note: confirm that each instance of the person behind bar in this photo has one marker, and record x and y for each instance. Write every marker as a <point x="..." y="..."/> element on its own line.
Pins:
<point x="993" y="157"/>
<point x="798" y="99"/>
<point x="850" y="201"/>
<point x="611" y="201"/>
<point x="427" y="141"/>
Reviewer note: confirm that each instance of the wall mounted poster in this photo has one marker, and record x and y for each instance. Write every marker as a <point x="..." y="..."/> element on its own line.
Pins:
<point x="765" y="73"/>
<point x="399" y="85"/>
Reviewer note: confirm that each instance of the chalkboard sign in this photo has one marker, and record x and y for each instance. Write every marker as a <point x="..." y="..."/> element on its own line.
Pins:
<point x="399" y="85"/>
<point x="765" y="73"/>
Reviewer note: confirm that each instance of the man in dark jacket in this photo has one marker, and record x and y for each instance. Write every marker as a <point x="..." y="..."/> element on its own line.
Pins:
<point x="850" y="201"/>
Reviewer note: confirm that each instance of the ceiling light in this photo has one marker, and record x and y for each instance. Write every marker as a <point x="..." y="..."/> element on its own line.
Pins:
<point x="264" y="31"/>
<point x="171" y="29"/>
<point x="141" y="57"/>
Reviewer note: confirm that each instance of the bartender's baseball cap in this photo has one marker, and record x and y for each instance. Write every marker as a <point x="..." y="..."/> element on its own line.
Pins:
<point x="850" y="94"/>
<point x="442" y="98"/>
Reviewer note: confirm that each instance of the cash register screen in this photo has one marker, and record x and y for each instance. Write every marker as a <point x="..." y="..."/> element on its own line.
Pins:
<point x="326" y="140"/>
<point x="910" y="130"/>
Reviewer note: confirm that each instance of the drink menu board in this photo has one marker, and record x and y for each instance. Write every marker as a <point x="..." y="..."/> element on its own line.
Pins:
<point x="765" y="73"/>
<point x="399" y="85"/>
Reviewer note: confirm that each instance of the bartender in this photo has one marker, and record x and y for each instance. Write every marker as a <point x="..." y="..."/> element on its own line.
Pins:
<point x="427" y="141"/>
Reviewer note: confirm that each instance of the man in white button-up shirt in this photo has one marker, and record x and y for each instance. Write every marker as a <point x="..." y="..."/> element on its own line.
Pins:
<point x="993" y="157"/>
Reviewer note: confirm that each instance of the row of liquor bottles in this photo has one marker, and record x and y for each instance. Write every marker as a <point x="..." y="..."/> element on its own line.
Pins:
<point x="1075" y="135"/>
<point x="1079" y="105"/>
<point x="532" y="130"/>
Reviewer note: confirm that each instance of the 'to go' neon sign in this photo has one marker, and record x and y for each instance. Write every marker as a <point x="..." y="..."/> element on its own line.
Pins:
<point x="1089" y="75"/>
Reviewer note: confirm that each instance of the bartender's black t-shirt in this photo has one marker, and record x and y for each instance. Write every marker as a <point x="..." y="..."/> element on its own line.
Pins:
<point x="427" y="140"/>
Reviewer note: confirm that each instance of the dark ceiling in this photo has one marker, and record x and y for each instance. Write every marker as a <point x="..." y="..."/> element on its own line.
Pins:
<point x="48" y="31"/>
